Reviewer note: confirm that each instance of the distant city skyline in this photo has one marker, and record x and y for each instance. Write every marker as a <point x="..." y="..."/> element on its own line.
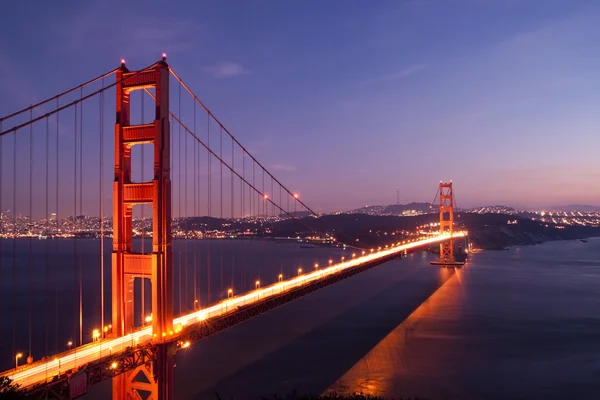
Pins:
<point x="345" y="101"/>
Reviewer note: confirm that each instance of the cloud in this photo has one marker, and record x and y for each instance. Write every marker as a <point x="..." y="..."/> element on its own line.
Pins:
<point x="401" y="74"/>
<point x="227" y="69"/>
<point x="282" y="167"/>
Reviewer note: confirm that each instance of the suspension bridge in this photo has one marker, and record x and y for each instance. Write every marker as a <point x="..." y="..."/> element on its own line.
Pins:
<point x="118" y="298"/>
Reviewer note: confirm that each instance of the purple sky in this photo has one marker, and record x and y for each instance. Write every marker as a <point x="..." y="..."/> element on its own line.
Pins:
<point x="347" y="101"/>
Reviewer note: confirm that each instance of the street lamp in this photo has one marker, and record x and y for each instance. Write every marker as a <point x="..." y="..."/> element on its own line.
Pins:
<point x="280" y="277"/>
<point x="17" y="356"/>
<point x="69" y="344"/>
<point x="257" y="284"/>
<point x="316" y="266"/>
<point x="299" y="271"/>
<point x="230" y="293"/>
<point x="95" y="335"/>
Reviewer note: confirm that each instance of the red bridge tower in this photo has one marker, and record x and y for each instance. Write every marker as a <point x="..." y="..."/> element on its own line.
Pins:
<point x="446" y="222"/>
<point x="152" y="381"/>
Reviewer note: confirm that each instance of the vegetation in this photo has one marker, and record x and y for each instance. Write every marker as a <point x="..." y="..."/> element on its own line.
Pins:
<point x="9" y="390"/>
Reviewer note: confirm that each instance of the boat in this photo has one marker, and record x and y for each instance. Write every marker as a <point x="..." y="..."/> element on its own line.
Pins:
<point x="583" y="240"/>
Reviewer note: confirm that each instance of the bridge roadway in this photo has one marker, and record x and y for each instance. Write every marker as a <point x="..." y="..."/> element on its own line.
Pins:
<point x="47" y="370"/>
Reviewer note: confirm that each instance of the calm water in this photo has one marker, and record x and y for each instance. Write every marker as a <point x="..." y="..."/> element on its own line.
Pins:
<point x="44" y="279"/>
<point x="523" y="323"/>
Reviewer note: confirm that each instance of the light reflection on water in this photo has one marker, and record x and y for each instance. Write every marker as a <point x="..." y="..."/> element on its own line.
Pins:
<point x="522" y="323"/>
<point x="376" y="372"/>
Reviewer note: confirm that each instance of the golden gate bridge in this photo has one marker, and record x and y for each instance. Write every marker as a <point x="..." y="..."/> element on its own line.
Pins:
<point x="170" y="164"/>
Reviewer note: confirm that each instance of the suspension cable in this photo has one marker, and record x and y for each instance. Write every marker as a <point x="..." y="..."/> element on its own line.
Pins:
<point x="58" y="109"/>
<point x="233" y="137"/>
<point x="56" y="97"/>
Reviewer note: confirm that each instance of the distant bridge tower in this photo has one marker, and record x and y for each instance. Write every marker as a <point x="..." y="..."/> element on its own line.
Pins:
<point x="153" y="380"/>
<point x="446" y="222"/>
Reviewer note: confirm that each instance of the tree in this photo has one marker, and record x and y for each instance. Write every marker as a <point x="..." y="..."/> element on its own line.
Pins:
<point x="9" y="390"/>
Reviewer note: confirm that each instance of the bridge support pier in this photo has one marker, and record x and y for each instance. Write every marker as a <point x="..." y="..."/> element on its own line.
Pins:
<point x="151" y="379"/>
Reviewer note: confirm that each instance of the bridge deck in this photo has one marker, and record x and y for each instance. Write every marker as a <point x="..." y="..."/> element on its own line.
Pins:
<point x="119" y="354"/>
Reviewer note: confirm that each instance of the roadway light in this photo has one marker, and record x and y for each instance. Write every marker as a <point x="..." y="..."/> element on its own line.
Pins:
<point x="185" y="345"/>
<point x="257" y="284"/>
<point x="299" y="271"/>
<point x="330" y="262"/>
<point x="230" y="293"/>
<point x="353" y="255"/>
<point x="95" y="334"/>
<point x="363" y="252"/>
<point x="280" y="277"/>
<point x="316" y="266"/>
<point x="148" y="318"/>
<point x="17" y="356"/>
<point x="69" y="344"/>
<point x="113" y="365"/>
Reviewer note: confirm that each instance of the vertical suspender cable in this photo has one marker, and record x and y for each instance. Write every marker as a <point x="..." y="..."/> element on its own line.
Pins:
<point x="243" y="217"/>
<point x="209" y="215"/>
<point x="231" y="216"/>
<point x="29" y="274"/>
<point x="143" y="224"/>
<point x="14" y="243"/>
<point x="179" y="200"/>
<point x="221" y="201"/>
<point x="75" y="221"/>
<point x="57" y="227"/>
<point x="80" y="213"/>
<point x="2" y="220"/>
<point x="47" y="229"/>
<point x="195" y="244"/>
<point x="101" y="189"/>
<point x="187" y="239"/>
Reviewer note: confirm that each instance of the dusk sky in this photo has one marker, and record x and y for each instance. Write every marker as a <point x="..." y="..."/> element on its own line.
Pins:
<point x="347" y="101"/>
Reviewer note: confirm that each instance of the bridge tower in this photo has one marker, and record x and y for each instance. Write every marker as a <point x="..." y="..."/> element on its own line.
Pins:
<point x="446" y="222"/>
<point x="151" y="381"/>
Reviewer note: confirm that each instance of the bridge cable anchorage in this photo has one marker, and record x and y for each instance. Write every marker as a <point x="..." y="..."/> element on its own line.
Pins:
<point x="71" y="104"/>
